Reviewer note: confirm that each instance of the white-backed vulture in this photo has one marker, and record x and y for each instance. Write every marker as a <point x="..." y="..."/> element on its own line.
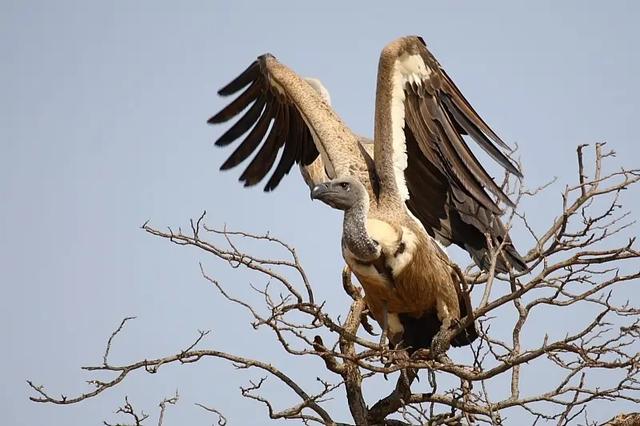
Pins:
<point x="422" y="182"/>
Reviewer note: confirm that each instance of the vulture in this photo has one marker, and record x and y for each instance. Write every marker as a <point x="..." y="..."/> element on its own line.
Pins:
<point x="415" y="188"/>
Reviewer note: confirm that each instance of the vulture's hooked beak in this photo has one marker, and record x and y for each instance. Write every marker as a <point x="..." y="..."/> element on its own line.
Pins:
<point x="319" y="191"/>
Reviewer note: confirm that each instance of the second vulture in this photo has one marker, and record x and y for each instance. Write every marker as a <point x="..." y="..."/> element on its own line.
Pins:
<point x="416" y="186"/>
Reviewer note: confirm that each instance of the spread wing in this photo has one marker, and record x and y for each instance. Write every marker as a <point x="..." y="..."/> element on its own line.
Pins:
<point x="423" y="159"/>
<point x="281" y="113"/>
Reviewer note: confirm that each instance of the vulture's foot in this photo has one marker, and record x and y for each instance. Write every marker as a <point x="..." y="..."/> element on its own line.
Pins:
<point x="422" y="354"/>
<point x="352" y="290"/>
<point x="364" y="320"/>
<point x="441" y="343"/>
<point x="425" y="354"/>
<point x="384" y="346"/>
<point x="396" y="356"/>
<point x="399" y="356"/>
<point x="385" y="327"/>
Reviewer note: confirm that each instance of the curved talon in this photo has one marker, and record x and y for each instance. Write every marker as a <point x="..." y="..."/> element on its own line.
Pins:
<point x="421" y="354"/>
<point x="364" y="320"/>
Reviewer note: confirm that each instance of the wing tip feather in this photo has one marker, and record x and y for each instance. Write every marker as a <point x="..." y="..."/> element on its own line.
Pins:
<point x="216" y="119"/>
<point x="250" y="74"/>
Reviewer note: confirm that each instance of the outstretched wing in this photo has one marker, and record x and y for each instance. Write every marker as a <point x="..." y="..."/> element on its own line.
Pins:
<point x="422" y="158"/>
<point x="282" y="113"/>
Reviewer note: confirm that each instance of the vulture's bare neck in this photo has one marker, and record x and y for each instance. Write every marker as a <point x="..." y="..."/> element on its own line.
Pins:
<point x="354" y="233"/>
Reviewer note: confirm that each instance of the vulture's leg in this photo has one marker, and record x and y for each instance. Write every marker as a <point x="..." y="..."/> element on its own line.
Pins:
<point x="347" y="284"/>
<point x="442" y="340"/>
<point x="385" y="324"/>
<point x="355" y="293"/>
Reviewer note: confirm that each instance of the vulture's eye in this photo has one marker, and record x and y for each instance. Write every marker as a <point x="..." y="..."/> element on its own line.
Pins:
<point x="344" y="185"/>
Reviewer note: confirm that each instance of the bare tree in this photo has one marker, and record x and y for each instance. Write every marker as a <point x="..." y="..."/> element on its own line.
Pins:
<point x="578" y="266"/>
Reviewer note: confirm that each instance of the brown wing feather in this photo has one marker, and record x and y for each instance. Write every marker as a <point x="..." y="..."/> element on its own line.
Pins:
<point x="459" y="163"/>
<point x="449" y="189"/>
<point x="247" y="76"/>
<point x="290" y="152"/>
<point x="469" y="214"/>
<point x="243" y="124"/>
<point x="264" y="159"/>
<point x="271" y="109"/>
<point x="465" y="125"/>
<point x="467" y="110"/>
<point x="239" y="104"/>
<point x="253" y="139"/>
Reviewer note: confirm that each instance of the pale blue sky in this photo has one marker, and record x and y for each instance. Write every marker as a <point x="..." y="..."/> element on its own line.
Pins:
<point x="102" y="126"/>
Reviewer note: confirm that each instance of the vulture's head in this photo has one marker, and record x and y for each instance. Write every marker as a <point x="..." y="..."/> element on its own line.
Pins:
<point x="342" y="193"/>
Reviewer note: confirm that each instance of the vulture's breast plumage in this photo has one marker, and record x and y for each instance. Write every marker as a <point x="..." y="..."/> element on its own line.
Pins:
<point x="407" y="277"/>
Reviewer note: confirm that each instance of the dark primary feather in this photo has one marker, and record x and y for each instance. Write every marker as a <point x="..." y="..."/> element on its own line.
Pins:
<point x="449" y="190"/>
<point x="251" y="142"/>
<point x="472" y="130"/>
<point x="461" y="102"/>
<point x="247" y="76"/>
<point x="243" y="124"/>
<point x="240" y="103"/>
<point x="289" y="152"/>
<point x="433" y="137"/>
<point x="266" y="156"/>
<point x="273" y="123"/>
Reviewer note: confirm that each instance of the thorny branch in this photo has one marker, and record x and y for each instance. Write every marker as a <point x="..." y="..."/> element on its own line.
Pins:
<point x="578" y="269"/>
